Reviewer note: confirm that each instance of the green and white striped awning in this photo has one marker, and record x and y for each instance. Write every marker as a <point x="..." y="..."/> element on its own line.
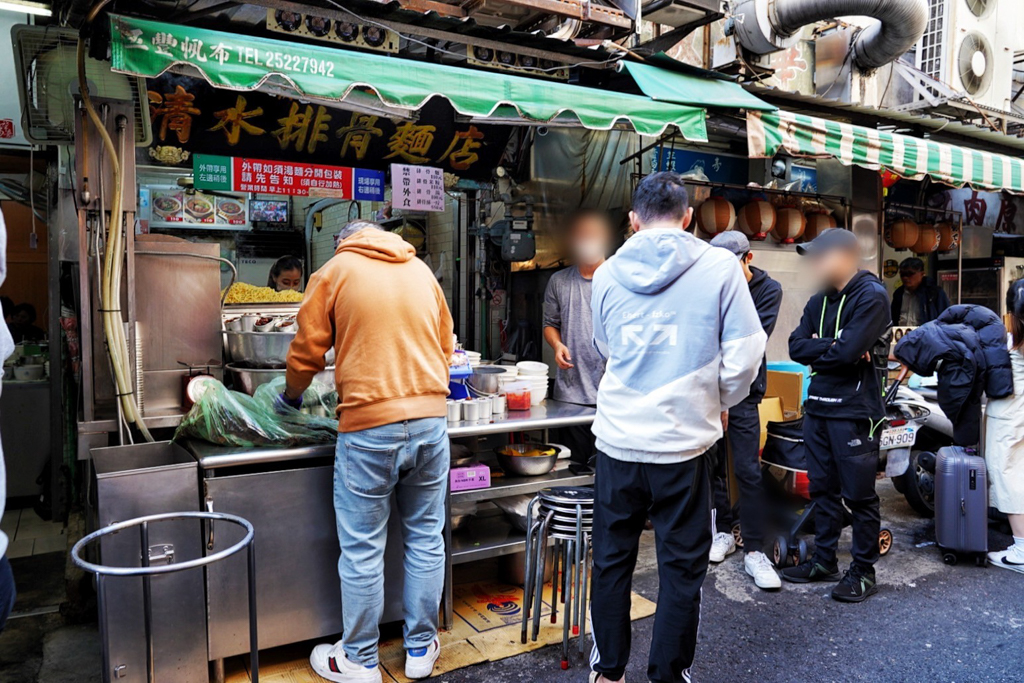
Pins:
<point x="141" y="47"/>
<point x="909" y="157"/>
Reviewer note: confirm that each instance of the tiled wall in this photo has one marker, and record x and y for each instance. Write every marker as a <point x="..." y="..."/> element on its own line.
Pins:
<point x="440" y="240"/>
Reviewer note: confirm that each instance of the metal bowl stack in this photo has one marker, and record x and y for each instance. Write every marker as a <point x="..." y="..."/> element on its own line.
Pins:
<point x="265" y="350"/>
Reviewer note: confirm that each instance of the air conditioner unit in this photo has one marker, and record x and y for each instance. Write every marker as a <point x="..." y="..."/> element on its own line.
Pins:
<point x="340" y="31"/>
<point x="46" y="65"/>
<point x="507" y="60"/>
<point x="968" y="44"/>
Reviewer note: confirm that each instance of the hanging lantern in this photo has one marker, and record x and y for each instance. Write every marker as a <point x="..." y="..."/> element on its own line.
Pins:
<point x="757" y="219"/>
<point x="902" y="234"/>
<point x="818" y="222"/>
<point x="927" y="240"/>
<point x="789" y="225"/>
<point x="949" y="236"/>
<point x="716" y="215"/>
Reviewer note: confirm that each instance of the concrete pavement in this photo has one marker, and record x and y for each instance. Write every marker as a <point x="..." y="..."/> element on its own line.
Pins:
<point x="929" y="622"/>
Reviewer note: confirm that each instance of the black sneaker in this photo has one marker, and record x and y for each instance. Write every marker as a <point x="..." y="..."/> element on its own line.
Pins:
<point x="809" y="572"/>
<point x="856" y="586"/>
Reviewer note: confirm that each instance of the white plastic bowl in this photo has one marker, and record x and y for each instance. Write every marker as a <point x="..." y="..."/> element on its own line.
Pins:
<point x="532" y="368"/>
<point x="537" y="395"/>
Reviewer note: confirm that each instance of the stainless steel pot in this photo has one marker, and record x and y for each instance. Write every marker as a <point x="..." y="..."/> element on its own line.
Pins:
<point x="259" y="349"/>
<point x="484" y="380"/>
<point x="249" y="379"/>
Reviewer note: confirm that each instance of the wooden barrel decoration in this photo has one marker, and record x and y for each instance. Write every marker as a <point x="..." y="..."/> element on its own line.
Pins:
<point x="818" y="222"/>
<point x="716" y="215"/>
<point x="949" y="236"/>
<point x="757" y="219"/>
<point x="927" y="240"/>
<point x="789" y="225"/>
<point x="902" y="234"/>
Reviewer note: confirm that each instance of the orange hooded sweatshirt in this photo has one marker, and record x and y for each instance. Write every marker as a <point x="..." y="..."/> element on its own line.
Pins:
<point x="384" y="313"/>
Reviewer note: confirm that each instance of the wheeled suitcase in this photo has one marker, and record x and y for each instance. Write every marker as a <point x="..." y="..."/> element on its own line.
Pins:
<point x="961" y="504"/>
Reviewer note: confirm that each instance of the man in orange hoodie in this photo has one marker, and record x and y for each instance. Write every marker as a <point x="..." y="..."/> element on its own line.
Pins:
<point x="386" y="317"/>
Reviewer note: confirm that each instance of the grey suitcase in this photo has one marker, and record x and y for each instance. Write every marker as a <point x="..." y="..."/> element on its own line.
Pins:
<point x="961" y="504"/>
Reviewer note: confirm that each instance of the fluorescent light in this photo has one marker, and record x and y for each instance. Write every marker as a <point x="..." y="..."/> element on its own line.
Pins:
<point x="26" y="8"/>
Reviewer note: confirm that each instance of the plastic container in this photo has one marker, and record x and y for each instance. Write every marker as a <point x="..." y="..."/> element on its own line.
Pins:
<point x="498" y="406"/>
<point x="454" y="411"/>
<point x="485" y="407"/>
<point x="470" y="411"/>
<point x="517" y="395"/>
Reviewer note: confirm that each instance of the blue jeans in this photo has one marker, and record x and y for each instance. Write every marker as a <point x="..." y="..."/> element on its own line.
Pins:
<point x="409" y="459"/>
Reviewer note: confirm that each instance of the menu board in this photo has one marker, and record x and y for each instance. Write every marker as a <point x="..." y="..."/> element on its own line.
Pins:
<point x="417" y="188"/>
<point x="171" y="206"/>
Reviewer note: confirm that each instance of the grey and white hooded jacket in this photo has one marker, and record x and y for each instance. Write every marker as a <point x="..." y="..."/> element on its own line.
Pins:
<point x="676" y="322"/>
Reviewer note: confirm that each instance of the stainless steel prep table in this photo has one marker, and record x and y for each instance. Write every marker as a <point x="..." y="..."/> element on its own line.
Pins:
<point x="287" y="493"/>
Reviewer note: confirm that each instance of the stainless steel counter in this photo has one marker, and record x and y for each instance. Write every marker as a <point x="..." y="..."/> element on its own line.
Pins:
<point x="287" y="494"/>
<point x="548" y="415"/>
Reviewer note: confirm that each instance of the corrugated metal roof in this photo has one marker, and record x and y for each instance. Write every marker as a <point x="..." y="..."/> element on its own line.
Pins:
<point x="938" y="127"/>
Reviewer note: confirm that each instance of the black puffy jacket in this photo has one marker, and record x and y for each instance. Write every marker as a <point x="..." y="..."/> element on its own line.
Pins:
<point x="962" y="372"/>
<point x="992" y="333"/>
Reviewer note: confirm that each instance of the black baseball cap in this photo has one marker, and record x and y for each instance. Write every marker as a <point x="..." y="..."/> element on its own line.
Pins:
<point x="832" y="239"/>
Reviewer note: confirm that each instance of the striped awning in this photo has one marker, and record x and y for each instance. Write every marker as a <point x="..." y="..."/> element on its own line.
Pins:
<point x="909" y="157"/>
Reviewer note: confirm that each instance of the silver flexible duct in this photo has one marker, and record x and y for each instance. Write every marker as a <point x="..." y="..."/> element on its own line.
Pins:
<point x="764" y="26"/>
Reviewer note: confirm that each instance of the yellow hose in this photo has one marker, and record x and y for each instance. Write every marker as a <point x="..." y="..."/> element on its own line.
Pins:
<point x="110" y="295"/>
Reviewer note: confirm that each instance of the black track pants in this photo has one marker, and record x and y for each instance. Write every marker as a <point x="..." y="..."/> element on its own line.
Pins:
<point x="841" y="464"/>
<point x="677" y="499"/>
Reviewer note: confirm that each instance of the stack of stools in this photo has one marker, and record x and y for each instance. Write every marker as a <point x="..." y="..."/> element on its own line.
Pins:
<point x="560" y="521"/>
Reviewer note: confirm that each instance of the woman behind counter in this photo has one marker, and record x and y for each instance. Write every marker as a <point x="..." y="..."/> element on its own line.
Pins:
<point x="286" y="273"/>
<point x="1004" y="441"/>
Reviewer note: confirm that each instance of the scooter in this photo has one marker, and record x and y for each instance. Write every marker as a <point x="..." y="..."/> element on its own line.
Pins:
<point x="915" y="430"/>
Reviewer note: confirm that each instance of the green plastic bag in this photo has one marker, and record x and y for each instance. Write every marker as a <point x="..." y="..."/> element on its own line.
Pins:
<point x="231" y="418"/>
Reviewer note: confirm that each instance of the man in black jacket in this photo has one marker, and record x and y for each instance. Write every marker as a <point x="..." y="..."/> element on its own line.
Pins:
<point x="918" y="300"/>
<point x="844" y="410"/>
<point x="744" y="431"/>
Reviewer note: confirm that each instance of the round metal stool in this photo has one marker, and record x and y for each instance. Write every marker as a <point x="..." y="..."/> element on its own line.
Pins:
<point x="562" y="517"/>
<point x="147" y="571"/>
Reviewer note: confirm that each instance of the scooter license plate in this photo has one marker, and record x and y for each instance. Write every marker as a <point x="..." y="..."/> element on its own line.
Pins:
<point x="898" y="437"/>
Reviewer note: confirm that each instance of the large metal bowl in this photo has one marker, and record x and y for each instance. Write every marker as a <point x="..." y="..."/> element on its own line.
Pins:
<point x="484" y="380"/>
<point x="259" y="349"/>
<point x="250" y="379"/>
<point x="527" y="465"/>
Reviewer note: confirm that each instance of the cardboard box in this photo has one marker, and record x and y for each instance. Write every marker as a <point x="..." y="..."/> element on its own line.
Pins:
<point x="789" y="388"/>
<point x="470" y="477"/>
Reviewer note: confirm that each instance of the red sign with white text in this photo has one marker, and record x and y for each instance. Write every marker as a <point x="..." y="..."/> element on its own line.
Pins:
<point x="277" y="177"/>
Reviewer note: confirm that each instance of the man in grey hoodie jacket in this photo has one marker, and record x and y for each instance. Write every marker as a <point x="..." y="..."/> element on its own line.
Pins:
<point x="684" y="343"/>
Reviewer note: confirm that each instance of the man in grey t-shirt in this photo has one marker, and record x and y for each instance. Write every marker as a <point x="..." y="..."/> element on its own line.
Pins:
<point x="569" y="327"/>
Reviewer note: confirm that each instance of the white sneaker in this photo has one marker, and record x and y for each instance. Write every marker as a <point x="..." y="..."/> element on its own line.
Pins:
<point x="722" y="545"/>
<point x="330" y="662"/>
<point x="760" y="567"/>
<point x="598" y="678"/>
<point x="1012" y="558"/>
<point x="422" y="666"/>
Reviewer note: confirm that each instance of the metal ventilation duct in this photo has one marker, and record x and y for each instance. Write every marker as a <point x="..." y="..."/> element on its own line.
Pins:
<point x="764" y="26"/>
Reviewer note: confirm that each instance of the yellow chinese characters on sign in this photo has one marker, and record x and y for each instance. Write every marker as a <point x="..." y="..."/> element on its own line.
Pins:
<point x="358" y="134"/>
<point x="234" y="120"/>
<point x="302" y="128"/>
<point x="174" y="110"/>
<point x="411" y="142"/>
<point x="461" y="153"/>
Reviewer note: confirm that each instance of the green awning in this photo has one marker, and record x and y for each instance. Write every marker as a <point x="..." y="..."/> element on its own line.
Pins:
<point x="666" y="85"/>
<point x="906" y="156"/>
<point x="148" y="48"/>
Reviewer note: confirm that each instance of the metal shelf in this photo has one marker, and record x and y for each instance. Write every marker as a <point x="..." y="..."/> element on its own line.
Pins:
<point x="484" y="538"/>
<point x="503" y="487"/>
